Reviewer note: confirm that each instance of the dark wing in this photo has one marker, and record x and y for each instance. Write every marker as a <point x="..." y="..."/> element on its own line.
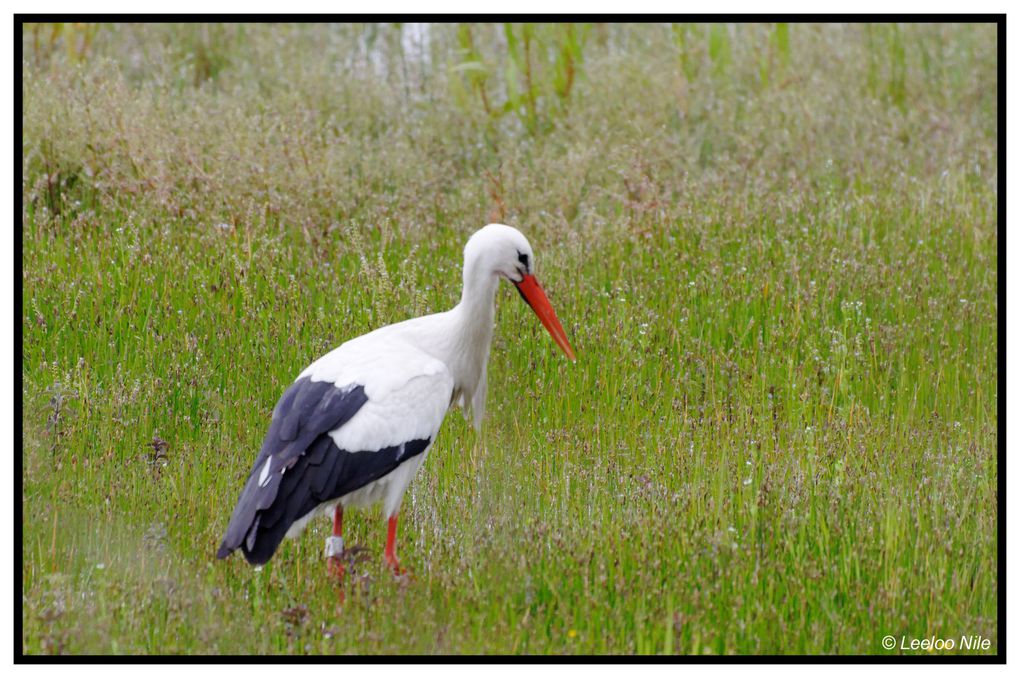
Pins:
<point x="323" y="473"/>
<point x="306" y="411"/>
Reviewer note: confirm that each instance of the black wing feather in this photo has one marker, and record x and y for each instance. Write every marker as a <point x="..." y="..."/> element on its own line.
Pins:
<point x="317" y="471"/>
<point x="305" y="486"/>
<point x="307" y="410"/>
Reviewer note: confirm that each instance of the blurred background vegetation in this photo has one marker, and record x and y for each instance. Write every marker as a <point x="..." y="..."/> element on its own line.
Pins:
<point x="580" y="127"/>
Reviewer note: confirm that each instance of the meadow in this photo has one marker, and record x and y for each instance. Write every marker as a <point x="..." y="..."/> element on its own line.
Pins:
<point x="773" y="248"/>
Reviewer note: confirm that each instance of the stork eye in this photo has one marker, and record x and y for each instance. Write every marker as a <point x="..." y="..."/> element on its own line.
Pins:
<point x="523" y="258"/>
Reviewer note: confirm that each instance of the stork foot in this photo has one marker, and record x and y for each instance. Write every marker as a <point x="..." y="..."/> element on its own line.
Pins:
<point x="394" y="565"/>
<point x="335" y="568"/>
<point x="390" y="554"/>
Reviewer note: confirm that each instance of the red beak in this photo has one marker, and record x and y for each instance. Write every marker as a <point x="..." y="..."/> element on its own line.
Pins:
<point x="532" y="293"/>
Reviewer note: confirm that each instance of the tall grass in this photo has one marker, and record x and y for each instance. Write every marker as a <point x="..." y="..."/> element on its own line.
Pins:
<point x="774" y="248"/>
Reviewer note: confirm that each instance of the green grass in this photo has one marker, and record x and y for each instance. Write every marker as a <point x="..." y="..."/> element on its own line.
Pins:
<point x="773" y="248"/>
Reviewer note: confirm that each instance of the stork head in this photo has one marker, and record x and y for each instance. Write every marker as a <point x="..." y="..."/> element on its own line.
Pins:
<point x="504" y="252"/>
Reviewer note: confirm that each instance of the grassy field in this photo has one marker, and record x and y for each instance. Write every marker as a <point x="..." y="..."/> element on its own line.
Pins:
<point x="773" y="248"/>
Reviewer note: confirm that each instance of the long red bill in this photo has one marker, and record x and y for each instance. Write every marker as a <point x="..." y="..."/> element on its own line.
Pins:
<point x="532" y="293"/>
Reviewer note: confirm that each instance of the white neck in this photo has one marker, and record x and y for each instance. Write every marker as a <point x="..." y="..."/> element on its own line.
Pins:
<point x="462" y="336"/>
<point x="477" y="307"/>
<point x="471" y="327"/>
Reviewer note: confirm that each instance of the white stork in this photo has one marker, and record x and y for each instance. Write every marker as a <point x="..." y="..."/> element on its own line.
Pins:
<point x="356" y="425"/>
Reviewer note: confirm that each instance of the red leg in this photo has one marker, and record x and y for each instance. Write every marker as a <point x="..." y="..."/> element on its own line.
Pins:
<point x="335" y="545"/>
<point x="390" y="555"/>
